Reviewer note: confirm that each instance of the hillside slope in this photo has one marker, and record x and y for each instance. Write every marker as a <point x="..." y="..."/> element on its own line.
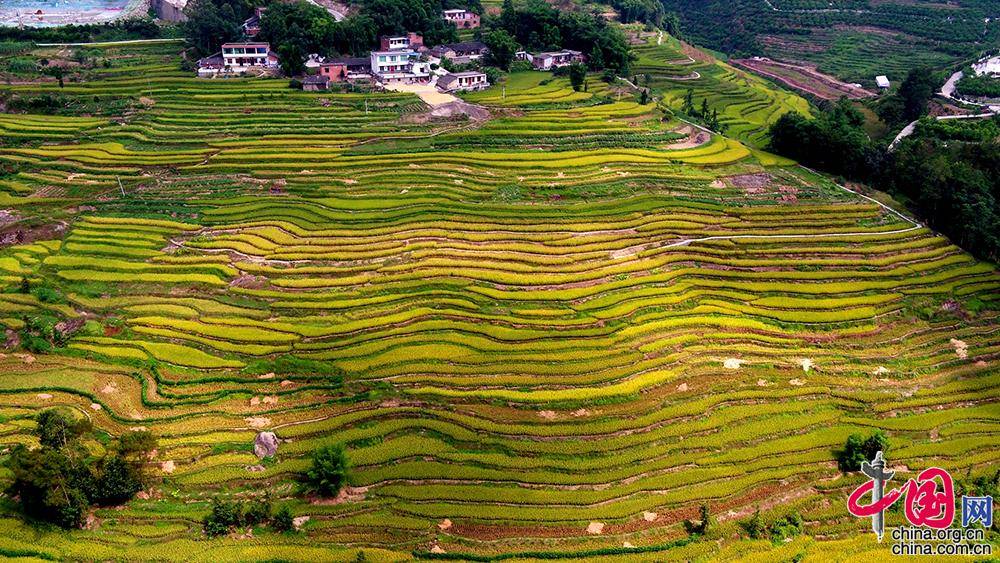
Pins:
<point x="556" y="333"/>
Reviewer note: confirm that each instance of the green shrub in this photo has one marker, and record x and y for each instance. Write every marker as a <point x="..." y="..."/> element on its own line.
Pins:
<point x="328" y="473"/>
<point x="859" y="449"/>
<point x="755" y="527"/>
<point x="787" y="527"/>
<point x="224" y="516"/>
<point x="283" y="520"/>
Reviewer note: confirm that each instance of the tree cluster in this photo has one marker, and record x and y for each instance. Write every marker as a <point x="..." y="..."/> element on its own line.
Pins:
<point x="643" y="11"/>
<point x="984" y="86"/>
<point x="396" y="17"/>
<point x="537" y="26"/>
<point x="329" y="471"/>
<point x="120" y="30"/>
<point x="210" y="23"/>
<point x="910" y="101"/>
<point x="227" y="516"/>
<point x="954" y="186"/>
<point x="948" y="174"/>
<point x="834" y="141"/>
<point x="59" y="481"/>
<point x="859" y="449"/>
<point x="709" y="117"/>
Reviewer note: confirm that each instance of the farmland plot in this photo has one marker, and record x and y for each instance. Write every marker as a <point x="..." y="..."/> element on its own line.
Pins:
<point x="561" y="332"/>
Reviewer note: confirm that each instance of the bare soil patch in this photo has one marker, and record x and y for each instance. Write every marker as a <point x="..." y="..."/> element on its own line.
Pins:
<point x="804" y="78"/>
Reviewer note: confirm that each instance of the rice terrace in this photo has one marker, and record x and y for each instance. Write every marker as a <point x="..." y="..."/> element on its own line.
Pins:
<point x="579" y="324"/>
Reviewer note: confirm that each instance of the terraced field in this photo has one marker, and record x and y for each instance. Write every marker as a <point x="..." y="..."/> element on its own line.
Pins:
<point x="557" y="333"/>
<point x="747" y="104"/>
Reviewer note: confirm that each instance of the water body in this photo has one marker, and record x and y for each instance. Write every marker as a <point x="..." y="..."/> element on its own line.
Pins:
<point x="42" y="13"/>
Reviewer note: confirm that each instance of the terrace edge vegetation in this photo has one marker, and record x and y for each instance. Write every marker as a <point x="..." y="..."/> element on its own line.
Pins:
<point x="585" y="316"/>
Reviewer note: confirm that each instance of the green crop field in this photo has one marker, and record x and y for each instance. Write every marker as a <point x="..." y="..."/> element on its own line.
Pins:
<point x="854" y="40"/>
<point x="555" y="333"/>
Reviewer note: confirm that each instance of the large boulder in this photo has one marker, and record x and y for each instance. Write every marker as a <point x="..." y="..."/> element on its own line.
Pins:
<point x="265" y="445"/>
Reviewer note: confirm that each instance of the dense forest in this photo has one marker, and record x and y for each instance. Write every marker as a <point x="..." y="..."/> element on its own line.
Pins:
<point x="536" y="25"/>
<point x="947" y="172"/>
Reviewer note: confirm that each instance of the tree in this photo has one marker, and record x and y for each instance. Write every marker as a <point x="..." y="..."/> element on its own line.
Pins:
<point x="508" y="18"/>
<point x="786" y="527"/>
<point x="502" y="48"/>
<point x="672" y="24"/>
<point x="56" y="428"/>
<point x="292" y="59"/>
<point x="859" y="449"/>
<point x="755" y="527"/>
<point x="307" y="26"/>
<point x="210" y="23"/>
<point x="577" y="74"/>
<point x="46" y="483"/>
<point x="328" y="473"/>
<point x="136" y="444"/>
<point x="114" y="481"/>
<point x="224" y="516"/>
<point x="394" y="17"/>
<point x="257" y="511"/>
<point x="283" y="520"/>
<point x="915" y="91"/>
<point x="60" y="480"/>
<point x="706" y="518"/>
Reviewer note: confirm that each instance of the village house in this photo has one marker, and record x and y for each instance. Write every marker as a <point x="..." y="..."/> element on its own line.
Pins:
<point x="882" y="81"/>
<point x="399" y="66"/>
<point x="553" y="59"/>
<point x="251" y="27"/>
<point x="237" y="58"/>
<point x="459" y="53"/>
<point x="315" y="83"/>
<point x="455" y="82"/>
<point x="463" y="19"/>
<point x="988" y="67"/>
<point x="244" y="56"/>
<point x="346" y="69"/>
<point x="411" y="40"/>
<point x="314" y="61"/>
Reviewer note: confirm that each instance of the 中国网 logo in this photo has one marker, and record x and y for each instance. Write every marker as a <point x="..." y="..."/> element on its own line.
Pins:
<point x="929" y="507"/>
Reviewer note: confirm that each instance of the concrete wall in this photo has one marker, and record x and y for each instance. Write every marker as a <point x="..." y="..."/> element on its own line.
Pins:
<point x="170" y="10"/>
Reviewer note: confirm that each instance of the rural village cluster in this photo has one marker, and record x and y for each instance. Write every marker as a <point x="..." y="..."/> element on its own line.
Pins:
<point x="399" y="60"/>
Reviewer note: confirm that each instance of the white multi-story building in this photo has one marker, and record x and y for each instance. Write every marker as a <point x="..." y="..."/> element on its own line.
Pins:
<point x="401" y="65"/>
<point x="463" y="19"/>
<point x="240" y="57"/>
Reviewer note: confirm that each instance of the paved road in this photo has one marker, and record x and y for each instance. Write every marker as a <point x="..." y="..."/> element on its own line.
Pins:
<point x="948" y="91"/>
<point x="949" y="87"/>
